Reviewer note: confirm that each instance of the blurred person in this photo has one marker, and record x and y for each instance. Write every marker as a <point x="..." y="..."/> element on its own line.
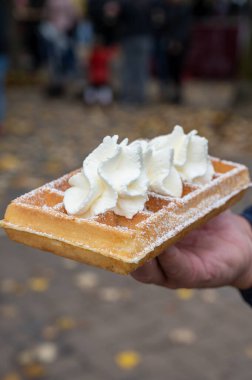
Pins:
<point x="99" y="89"/>
<point x="179" y="28"/>
<point x="29" y="14"/>
<point x="4" y="48"/>
<point x="215" y="255"/>
<point x="171" y="23"/>
<point x="136" y="50"/>
<point x="58" y="33"/>
<point x="159" y="24"/>
<point x="104" y="14"/>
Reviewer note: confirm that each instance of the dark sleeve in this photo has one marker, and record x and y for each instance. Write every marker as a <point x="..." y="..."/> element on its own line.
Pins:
<point x="247" y="294"/>
<point x="248" y="214"/>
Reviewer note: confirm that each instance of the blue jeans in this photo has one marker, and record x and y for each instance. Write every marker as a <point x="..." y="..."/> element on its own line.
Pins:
<point x="3" y="71"/>
<point x="135" y="68"/>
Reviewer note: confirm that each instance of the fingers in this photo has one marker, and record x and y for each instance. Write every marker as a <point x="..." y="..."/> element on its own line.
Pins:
<point x="177" y="268"/>
<point x="150" y="273"/>
<point x="172" y="269"/>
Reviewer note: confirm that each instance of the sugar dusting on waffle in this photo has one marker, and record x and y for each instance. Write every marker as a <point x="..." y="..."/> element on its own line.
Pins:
<point x="162" y="220"/>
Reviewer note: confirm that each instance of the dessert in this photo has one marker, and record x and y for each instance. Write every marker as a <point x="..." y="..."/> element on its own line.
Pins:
<point x="128" y="202"/>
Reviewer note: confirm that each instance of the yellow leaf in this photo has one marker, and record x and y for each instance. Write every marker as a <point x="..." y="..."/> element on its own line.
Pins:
<point x="66" y="323"/>
<point x="127" y="359"/>
<point x="12" y="376"/>
<point x="185" y="294"/>
<point x="34" y="371"/>
<point x="9" y="162"/>
<point x="39" y="284"/>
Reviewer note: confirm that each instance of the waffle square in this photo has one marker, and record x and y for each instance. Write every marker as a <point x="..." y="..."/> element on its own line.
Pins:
<point x="108" y="241"/>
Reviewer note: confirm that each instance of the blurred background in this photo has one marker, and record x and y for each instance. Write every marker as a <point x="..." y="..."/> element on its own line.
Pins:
<point x="71" y="72"/>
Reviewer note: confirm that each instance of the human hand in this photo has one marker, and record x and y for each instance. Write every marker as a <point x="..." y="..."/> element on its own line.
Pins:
<point x="217" y="254"/>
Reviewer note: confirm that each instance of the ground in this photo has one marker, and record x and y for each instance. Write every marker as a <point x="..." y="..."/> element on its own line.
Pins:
<point x="66" y="321"/>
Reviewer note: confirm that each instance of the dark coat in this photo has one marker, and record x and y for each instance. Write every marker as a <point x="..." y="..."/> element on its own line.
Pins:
<point x="171" y="20"/>
<point x="105" y="17"/>
<point x="4" y="30"/>
<point x="135" y="18"/>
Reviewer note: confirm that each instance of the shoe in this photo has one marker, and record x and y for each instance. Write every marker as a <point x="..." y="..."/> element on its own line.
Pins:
<point x="105" y="96"/>
<point x="90" y="96"/>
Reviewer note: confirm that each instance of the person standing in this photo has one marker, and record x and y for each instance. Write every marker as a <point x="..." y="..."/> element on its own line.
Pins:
<point x="136" y="50"/>
<point x="58" y="33"/>
<point x="179" y="27"/>
<point x="171" y="24"/>
<point x="104" y="15"/>
<point x="4" y="46"/>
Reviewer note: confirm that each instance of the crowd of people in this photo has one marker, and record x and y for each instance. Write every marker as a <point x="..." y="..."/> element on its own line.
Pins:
<point x="90" y="40"/>
<point x="149" y="36"/>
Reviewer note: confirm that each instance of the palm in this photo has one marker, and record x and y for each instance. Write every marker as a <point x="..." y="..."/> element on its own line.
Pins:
<point x="214" y="255"/>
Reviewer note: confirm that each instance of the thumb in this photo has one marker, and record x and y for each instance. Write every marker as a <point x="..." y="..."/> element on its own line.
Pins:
<point x="177" y="268"/>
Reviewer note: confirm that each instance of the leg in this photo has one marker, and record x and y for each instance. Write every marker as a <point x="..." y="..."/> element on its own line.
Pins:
<point x="127" y="75"/>
<point x="142" y="68"/>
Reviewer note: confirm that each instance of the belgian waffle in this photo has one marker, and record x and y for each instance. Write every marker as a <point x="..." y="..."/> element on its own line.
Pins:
<point x="38" y="219"/>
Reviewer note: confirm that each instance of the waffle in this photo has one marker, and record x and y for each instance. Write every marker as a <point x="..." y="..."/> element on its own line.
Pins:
<point x="115" y="243"/>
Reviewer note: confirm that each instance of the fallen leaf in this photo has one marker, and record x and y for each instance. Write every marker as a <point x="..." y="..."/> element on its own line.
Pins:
<point x="11" y="376"/>
<point x="111" y="294"/>
<point x="182" y="336"/>
<point x="127" y="359"/>
<point x="46" y="352"/>
<point x="9" y="162"/>
<point x="86" y="280"/>
<point x="33" y="371"/>
<point x="66" y="323"/>
<point x="39" y="284"/>
<point x="185" y="294"/>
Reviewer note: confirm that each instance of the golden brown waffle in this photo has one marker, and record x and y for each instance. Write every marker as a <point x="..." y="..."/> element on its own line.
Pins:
<point x="39" y="219"/>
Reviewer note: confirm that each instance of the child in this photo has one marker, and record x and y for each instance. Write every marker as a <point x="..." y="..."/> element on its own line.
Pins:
<point x="99" y="89"/>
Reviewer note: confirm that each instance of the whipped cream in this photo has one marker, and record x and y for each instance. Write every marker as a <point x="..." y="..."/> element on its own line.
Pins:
<point x="112" y="178"/>
<point x="118" y="177"/>
<point x="191" y="158"/>
<point x="163" y="177"/>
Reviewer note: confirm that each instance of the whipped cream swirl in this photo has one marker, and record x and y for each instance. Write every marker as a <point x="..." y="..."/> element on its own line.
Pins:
<point x="191" y="158"/>
<point x="163" y="177"/>
<point x="112" y="178"/>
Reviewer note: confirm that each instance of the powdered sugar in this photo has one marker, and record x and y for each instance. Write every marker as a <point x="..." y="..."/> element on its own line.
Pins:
<point x="163" y="218"/>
